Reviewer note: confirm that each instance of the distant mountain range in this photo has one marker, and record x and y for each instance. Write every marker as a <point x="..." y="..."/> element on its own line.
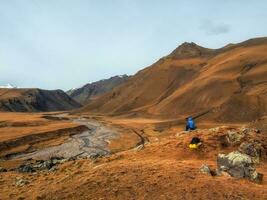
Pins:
<point x="85" y="93"/>
<point x="38" y="100"/>
<point x="32" y="100"/>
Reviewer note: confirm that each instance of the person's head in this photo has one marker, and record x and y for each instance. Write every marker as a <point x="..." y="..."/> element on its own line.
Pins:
<point x="190" y="118"/>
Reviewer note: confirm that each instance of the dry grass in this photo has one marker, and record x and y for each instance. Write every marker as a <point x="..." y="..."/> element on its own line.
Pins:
<point x="16" y="125"/>
<point x="164" y="169"/>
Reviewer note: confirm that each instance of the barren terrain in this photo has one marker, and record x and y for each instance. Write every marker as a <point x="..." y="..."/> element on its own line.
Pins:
<point x="130" y="143"/>
<point x="226" y="85"/>
<point x="162" y="167"/>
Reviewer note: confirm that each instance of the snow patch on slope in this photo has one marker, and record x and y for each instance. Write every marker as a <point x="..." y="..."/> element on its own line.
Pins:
<point x="9" y="86"/>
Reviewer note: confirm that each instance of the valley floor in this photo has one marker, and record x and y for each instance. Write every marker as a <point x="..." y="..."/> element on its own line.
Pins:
<point x="147" y="161"/>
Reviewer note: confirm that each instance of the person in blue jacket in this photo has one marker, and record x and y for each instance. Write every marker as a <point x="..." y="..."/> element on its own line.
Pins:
<point x="190" y="124"/>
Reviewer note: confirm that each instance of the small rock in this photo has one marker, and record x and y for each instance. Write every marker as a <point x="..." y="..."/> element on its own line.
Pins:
<point x="214" y="129"/>
<point x="205" y="169"/>
<point x="257" y="131"/>
<point x="26" y="168"/>
<point x="94" y="155"/>
<point x="57" y="160"/>
<point x="21" y="182"/>
<point x="2" y="169"/>
<point x="43" y="165"/>
<point x="139" y="147"/>
<point x="53" y="169"/>
<point x="48" y="164"/>
<point x="245" y="130"/>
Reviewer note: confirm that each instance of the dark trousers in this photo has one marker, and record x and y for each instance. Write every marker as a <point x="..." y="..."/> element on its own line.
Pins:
<point x="187" y="128"/>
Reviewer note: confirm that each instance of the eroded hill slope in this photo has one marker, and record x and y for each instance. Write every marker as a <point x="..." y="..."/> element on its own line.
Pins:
<point x="230" y="84"/>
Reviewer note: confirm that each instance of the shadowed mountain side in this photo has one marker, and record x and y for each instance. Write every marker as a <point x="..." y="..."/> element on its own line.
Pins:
<point x="90" y="90"/>
<point x="33" y="100"/>
<point x="230" y="82"/>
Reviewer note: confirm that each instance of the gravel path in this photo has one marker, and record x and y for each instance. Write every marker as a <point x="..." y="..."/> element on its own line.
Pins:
<point x="89" y="144"/>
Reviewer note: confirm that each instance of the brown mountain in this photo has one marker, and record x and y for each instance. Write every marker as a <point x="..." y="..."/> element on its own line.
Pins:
<point x="90" y="90"/>
<point x="32" y="100"/>
<point x="229" y="84"/>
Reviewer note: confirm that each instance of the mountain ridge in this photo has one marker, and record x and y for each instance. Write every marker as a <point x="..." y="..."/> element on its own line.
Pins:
<point x="35" y="100"/>
<point x="193" y="79"/>
<point x="88" y="91"/>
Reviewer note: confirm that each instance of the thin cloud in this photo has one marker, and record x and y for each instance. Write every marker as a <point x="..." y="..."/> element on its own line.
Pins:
<point x="212" y="28"/>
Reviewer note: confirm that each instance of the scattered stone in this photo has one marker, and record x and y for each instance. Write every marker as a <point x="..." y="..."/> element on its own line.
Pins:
<point x="95" y="155"/>
<point x="41" y="165"/>
<point x="58" y="160"/>
<point x="53" y="169"/>
<point x="214" y="129"/>
<point x="238" y="165"/>
<point x="21" y="182"/>
<point x="252" y="149"/>
<point x="2" y="169"/>
<point x="205" y="169"/>
<point x="139" y="147"/>
<point x="26" y="168"/>
<point x="245" y="130"/>
<point x="257" y="131"/>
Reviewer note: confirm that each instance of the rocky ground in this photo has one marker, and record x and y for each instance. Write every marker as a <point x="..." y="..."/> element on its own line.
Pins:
<point x="90" y="143"/>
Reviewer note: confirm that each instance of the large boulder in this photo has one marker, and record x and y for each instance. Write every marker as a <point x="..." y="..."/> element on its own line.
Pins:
<point x="238" y="165"/>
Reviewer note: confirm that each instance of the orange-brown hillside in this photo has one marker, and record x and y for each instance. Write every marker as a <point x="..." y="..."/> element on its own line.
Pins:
<point x="229" y="83"/>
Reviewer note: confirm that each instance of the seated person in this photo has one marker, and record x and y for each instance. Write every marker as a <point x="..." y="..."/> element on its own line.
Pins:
<point x="190" y="124"/>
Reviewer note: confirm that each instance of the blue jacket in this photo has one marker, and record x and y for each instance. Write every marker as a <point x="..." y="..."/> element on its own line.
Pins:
<point x="191" y="123"/>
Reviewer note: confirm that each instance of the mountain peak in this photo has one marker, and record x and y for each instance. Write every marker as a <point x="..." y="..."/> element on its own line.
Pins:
<point x="187" y="45"/>
<point x="188" y="50"/>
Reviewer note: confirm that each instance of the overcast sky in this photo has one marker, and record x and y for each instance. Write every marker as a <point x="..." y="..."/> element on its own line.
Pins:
<point x="63" y="44"/>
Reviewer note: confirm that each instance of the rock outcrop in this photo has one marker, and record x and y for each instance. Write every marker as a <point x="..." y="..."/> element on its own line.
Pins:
<point x="41" y="165"/>
<point x="238" y="165"/>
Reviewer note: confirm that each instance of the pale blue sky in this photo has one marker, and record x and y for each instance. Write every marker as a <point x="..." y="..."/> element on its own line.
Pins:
<point x="55" y="44"/>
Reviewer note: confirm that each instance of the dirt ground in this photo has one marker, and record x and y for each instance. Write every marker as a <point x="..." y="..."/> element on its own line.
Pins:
<point x="165" y="168"/>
